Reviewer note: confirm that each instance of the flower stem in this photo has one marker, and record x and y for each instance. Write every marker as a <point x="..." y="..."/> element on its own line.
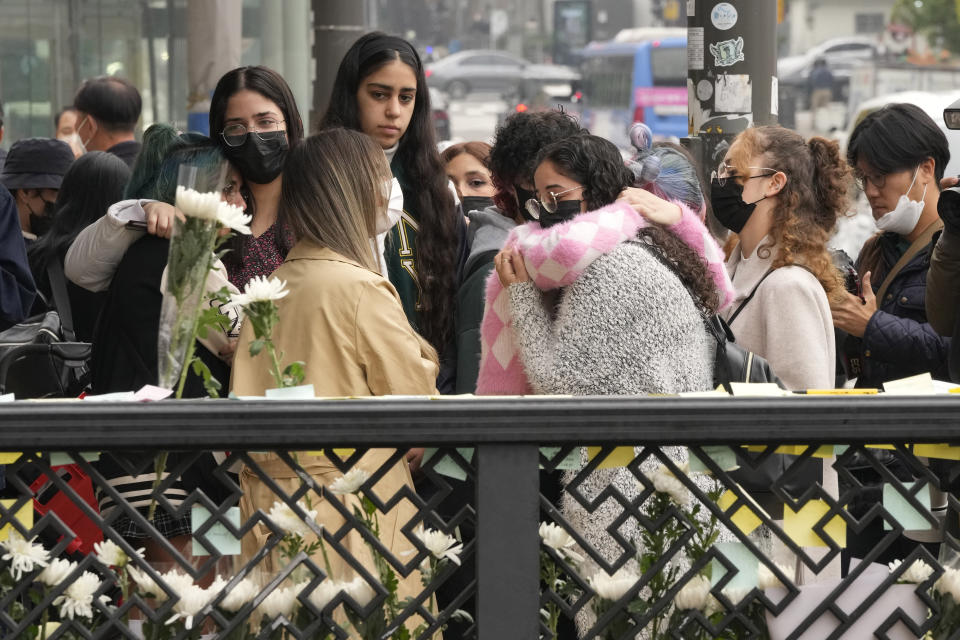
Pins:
<point x="159" y="464"/>
<point x="326" y="558"/>
<point x="274" y="363"/>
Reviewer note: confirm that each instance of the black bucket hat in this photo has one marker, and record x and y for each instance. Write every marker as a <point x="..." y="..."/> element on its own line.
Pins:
<point x="36" y="163"/>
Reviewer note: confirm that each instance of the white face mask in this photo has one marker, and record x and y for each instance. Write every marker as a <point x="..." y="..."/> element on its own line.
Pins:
<point x="76" y="144"/>
<point x="904" y="217"/>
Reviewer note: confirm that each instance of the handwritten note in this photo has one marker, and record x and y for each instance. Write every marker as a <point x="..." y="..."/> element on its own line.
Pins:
<point x="217" y="536"/>
<point x="446" y="465"/>
<point x="799" y="525"/>
<point x="745" y="563"/>
<point x="904" y="512"/>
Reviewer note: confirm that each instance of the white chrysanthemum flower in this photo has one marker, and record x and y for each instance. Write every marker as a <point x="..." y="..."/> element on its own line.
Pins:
<point x="949" y="583"/>
<point x="613" y="587"/>
<point x="283" y="516"/>
<point x="109" y="553"/>
<point x="350" y="482"/>
<point x="281" y="602"/>
<point x="917" y="573"/>
<point x="56" y="572"/>
<point x="23" y="555"/>
<point x="192" y="599"/>
<point x="238" y="597"/>
<point x="766" y="579"/>
<point x="665" y="482"/>
<point x="736" y="594"/>
<point x="259" y="289"/>
<point x="177" y="581"/>
<point x="440" y="544"/>
<point x="325" y="592"/>
<point x="146" y="584"/>
<point x="557" y="538"/>
<point x="694" y="594"/>
<point x="195" y="204"/>
<point x="77" y="600"/>
<point x="233" y="217"/>
<point x="360" y="591"/>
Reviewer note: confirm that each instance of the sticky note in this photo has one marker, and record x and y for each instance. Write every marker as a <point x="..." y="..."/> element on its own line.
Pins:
<point x="9" y="458"/>
<point x="722" y="456"/>
<point x="619" y="457"/>
<point x="119" y="396"/>
<point x="446" y="466"/>
<point x="919" y="385"/>
<point x="217" y="536"/>
<point x="570" y="463"/>
<point x="799" y="525"/>
<point x="343" y="454"/>
<point x="291" y="393"/>
<point x="840" y="449"/>
<point x="941" y="451"/>
<point x="823" y="451"/>
<point x="58" y="458"/>
<point x="842" y="392"/>
<point x="7" y="397"/>
<point x="881" y="446"/>
<point x="905" y="513"/>
<point x="150" y="393"/>
<point x="24" y="516"/>
<point x="757" y="389"/>
<point x="745" y="576"/>
<point x="745" y="518"/>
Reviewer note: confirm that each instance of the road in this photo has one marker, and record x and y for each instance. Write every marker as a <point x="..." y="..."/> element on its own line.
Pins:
<point x="476" y="117"/>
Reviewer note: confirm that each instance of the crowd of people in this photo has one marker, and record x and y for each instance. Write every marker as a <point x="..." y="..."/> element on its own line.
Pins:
<point x="541" y="264"/>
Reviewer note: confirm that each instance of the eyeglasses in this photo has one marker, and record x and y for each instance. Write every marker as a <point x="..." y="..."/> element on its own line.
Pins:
<point x="266" y="129"/>
<point x="549" y="205"/>
<point x="861" y="180"/>
<point x="727" y="172"/>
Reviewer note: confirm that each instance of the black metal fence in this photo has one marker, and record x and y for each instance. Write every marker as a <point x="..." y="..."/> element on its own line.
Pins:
<point x="529" y="518"/>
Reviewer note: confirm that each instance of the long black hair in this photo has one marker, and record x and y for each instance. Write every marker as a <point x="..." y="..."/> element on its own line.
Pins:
<point x="423" y="171"/>
<point x="272" y="86"/>
<point x="93" y="182"/>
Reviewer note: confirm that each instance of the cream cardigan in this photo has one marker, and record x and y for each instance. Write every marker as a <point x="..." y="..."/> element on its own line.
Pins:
<point x="788" y="321"/>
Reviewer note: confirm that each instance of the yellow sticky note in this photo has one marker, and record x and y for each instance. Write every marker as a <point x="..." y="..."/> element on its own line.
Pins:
<point x="799" y="525"/>
<point x="842" y="392"/>
<point x="745" y="517"/>
<point x="941" y="451"/>
<point x="823" y="451"/>
<point x="881" y="446"/>
<point x="24" y="516"/>
<point x="619" y="457"/>
<point x="343" y="454"/>
<point x="9" y="458"/>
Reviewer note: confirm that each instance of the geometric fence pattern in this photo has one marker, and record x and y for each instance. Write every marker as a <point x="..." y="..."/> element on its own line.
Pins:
<point x="698" y="534"/>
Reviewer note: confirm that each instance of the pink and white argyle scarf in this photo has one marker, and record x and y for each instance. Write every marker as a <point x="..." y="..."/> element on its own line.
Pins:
<point x="555" y="257"/>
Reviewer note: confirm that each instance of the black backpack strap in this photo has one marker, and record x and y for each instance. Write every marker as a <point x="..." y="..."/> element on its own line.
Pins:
<point x="61" y="300"/>
<point x="734" y="315"/>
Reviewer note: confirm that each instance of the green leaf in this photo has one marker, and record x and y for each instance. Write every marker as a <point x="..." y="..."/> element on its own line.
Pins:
<point x="294" y="374"/>
<point x="257" y="346"/>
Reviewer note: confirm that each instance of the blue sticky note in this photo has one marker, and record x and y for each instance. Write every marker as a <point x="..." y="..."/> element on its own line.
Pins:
<point x="58" y="458"/>
<point x="217" y="535"/>
<point x="722" y="455"/>
<point x="448" y="467"/>
<point x="740" y="557"/>
<point x="905" y="514"/>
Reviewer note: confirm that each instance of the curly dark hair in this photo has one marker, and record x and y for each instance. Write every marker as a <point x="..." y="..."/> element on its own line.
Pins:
<point x="513" y="157"/>
<point x="596" y="163"/>
<point x="423" y="172"/>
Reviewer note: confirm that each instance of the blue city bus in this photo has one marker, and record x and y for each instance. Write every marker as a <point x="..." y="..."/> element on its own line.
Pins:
<point x="641" y="76"/>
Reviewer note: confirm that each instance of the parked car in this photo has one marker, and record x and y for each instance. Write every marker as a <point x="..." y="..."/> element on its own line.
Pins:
<point x="495" y="71"/>
<point x="842" y="55"/>
<point x="439" y="109"/>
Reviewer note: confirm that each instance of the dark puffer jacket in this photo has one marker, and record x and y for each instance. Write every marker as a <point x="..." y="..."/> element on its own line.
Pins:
<point x="899" y="342"/>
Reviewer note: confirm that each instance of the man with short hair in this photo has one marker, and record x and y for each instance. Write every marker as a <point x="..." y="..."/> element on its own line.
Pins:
<point x="107" y="112"/>
<point x="33" y="172"/>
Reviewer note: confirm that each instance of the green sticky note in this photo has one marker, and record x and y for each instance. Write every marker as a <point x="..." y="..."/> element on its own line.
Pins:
<point x="905" y="513"/>
<point x="740" y="557"/>
<point x="570" y="463"/>
<point x="58" y="458"/>
<point x="722" y="455"/>
<point x="448" y="467"/>
<point x="217" y="536"/>
<point x="840" y="449"/>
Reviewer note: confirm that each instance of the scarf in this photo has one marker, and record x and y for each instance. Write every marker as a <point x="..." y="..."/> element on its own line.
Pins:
<point x="556" y="257"/>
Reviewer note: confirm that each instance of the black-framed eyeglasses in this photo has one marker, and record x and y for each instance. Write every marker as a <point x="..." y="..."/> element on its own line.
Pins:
<point x="549" y="205"/>
<point x="266" y="129"/>
<point x="726" y="172"/>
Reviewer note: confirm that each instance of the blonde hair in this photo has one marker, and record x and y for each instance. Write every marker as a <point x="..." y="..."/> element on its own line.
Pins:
<point x="334" y="187"/>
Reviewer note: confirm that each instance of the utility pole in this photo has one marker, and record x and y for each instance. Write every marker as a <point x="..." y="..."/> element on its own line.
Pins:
<point x="336" y="24"/>
<point x="731" y="73"/>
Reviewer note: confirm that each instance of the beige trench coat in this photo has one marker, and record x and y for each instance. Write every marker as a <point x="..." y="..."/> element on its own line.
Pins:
<point x="346" y="323"/>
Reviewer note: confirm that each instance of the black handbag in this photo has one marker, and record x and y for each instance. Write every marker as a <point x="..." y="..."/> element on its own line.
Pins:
<point x="733" y="363"/>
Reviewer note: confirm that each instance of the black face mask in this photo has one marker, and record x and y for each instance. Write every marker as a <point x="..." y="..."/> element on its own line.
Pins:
<point x="259" y="161"/>
<point x="41" y="223"/>
<point x="728" y="205"/>
<point x="566" y="210"/>
<point x="522" y="196"/>
<point x="475" y="203"/>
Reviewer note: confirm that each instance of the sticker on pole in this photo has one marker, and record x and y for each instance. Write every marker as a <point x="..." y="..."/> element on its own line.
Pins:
<point x="691" y="8"/>
<point x="727" y="53"/>
<point x="733" y="94"/>
<point x="695" y="48"/>
<point x="724" y="16"/>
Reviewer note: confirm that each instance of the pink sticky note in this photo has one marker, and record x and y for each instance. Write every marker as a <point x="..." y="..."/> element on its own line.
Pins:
<point x="150" y="393"/>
